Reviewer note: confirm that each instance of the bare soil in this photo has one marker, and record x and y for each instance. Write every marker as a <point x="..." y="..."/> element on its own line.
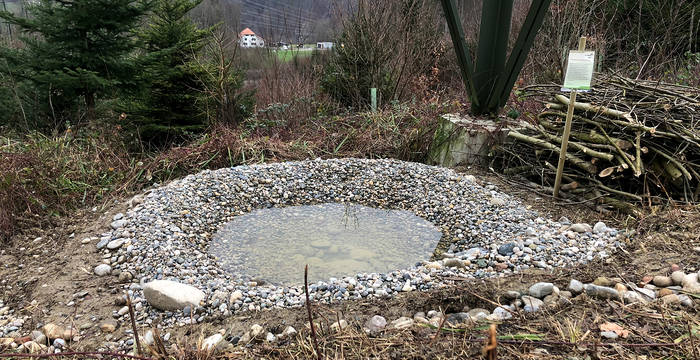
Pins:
<point x="39" y="277"/>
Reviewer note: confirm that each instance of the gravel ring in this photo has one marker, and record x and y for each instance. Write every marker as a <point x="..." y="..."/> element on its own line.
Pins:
<point x="166" y="234"/>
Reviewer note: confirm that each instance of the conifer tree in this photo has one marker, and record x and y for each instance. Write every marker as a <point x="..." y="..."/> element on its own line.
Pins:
<point x="167" y="109"/>
<point x="77" y="49"/>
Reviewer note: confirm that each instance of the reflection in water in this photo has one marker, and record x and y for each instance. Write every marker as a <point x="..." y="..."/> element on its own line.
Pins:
<point x="336" y="240"/>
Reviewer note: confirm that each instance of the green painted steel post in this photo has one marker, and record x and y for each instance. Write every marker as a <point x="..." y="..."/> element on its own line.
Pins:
<point x="491" y="55"/>
<point x="519" y="54"/>
<point x="461" y="49"/>
<point x="489" y="85"/>
<point x="373" y="94"/>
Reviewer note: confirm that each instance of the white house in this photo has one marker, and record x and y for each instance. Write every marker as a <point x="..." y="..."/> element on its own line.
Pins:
<point x="324" y="45"/>
<point x="248" y="39"/>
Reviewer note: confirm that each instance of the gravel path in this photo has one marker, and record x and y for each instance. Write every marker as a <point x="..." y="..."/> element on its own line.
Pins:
<point x="166" y="234"/>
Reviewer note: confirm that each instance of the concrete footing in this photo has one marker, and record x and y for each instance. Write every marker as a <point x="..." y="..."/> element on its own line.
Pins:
<point x="464" y="140"/>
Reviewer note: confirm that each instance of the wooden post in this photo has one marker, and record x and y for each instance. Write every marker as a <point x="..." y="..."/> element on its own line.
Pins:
<point x="567" y="130"/>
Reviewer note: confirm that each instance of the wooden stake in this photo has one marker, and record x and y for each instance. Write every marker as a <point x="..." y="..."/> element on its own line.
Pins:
<point x="567" y="130"/>
<point x="308" y="309"/>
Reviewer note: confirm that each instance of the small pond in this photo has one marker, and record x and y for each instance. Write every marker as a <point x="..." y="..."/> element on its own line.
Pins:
<point x="336" y="240"/>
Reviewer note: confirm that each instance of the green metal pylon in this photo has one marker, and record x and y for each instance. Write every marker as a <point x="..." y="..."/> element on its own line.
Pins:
<point x="492" y="50"/>
<point x="489" y="87"/>
<point x="461" y="49"/>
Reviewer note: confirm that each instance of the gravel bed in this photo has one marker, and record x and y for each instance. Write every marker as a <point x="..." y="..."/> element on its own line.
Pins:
<point x="167" y="231"/>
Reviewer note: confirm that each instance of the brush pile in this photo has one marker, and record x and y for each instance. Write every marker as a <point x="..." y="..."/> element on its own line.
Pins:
<point x="632" y="142"/>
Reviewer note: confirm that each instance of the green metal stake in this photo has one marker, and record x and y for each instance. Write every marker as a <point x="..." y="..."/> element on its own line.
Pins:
<point x="373" y="93"/>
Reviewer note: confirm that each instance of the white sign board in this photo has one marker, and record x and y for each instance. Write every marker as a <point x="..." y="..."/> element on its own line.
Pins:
<point x="579" y="70"/>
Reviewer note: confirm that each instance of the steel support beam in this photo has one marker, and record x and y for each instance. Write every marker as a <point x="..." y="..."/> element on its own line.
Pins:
<point x="521" y="49"/>
<point x="489" y="85"/>
<point x="461" y="49"/>
<point x="494" y="32"/>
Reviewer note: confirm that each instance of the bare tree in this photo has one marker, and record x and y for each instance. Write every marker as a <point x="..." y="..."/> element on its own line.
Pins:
<point x="212" y="12"/>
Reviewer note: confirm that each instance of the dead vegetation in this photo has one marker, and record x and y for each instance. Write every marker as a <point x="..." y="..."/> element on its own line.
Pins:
<point x="633" y="142"/>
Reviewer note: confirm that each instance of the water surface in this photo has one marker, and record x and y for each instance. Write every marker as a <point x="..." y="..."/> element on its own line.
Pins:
<point x="336" y="240"/>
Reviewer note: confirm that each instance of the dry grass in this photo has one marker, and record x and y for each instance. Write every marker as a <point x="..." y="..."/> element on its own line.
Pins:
<point x="42" y="177"/>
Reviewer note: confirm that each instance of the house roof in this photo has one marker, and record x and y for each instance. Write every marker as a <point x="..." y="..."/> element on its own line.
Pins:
<point x="247" y="31"/>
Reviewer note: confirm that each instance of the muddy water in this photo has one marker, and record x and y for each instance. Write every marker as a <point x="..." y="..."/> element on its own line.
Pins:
<point x="336" y="240"/>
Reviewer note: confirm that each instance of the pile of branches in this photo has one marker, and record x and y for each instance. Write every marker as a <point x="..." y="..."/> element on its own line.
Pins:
<point x="632" y="142"/>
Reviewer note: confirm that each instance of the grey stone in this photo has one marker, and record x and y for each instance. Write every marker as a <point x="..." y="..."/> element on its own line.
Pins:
<point x="601" y="292"/>
<point x="531" y="304"/>
<point x="685" y="300"/>
<point x="631" y="297"/>
<point x="102" y="270"/>
<point x="506" y="249"/>
<point x="662" y="281"/>
<point x="541" y="289"/>
<point x="375" y="324"/>
<point x="59" y="343"/>
<point x="611" y="335"/>
<point x="458" y="318"/>
<point x="453" y="263"/>
<point x="575" y="286"/>
<point x="511" y="295"/>
<point x="478" y="314"/>
<point x="401" y="323"/>
<point x="118" y="224"/>
<point x="500" y="313"/>
<point x="599" y="228"/>
<point x="148" y="338"/>
<point x="102" y="243"/>
<point x="115" y="244"/>
<point x="677" y="277"/>
<point x="213" y="343"/>
<point x="170" y="295"/>
<point x="647" y="294"/>
<point x="581" y="228"/>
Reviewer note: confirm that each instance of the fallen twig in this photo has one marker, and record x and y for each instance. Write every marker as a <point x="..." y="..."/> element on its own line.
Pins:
<point x="133" y="323"/>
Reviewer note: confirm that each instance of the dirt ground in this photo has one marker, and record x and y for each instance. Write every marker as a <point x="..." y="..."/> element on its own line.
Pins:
<point x="38" y="277"/>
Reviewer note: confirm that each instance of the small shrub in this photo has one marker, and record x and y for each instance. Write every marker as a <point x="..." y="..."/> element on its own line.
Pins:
<point x="223" y="98"/>
<point x="382" y="45"/>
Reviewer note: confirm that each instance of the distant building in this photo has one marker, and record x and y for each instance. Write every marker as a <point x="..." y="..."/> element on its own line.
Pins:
<point x="324" y="45"/>
<point x="248" y="39"/>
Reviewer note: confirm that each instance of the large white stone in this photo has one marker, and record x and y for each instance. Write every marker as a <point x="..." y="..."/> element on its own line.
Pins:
<point x="102" y="269"/>
<point x="171" y="295"/>
<point x="213" y="343"/>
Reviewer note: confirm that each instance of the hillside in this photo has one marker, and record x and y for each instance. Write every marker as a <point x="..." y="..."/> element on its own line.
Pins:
<point x="288" y="21"/>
